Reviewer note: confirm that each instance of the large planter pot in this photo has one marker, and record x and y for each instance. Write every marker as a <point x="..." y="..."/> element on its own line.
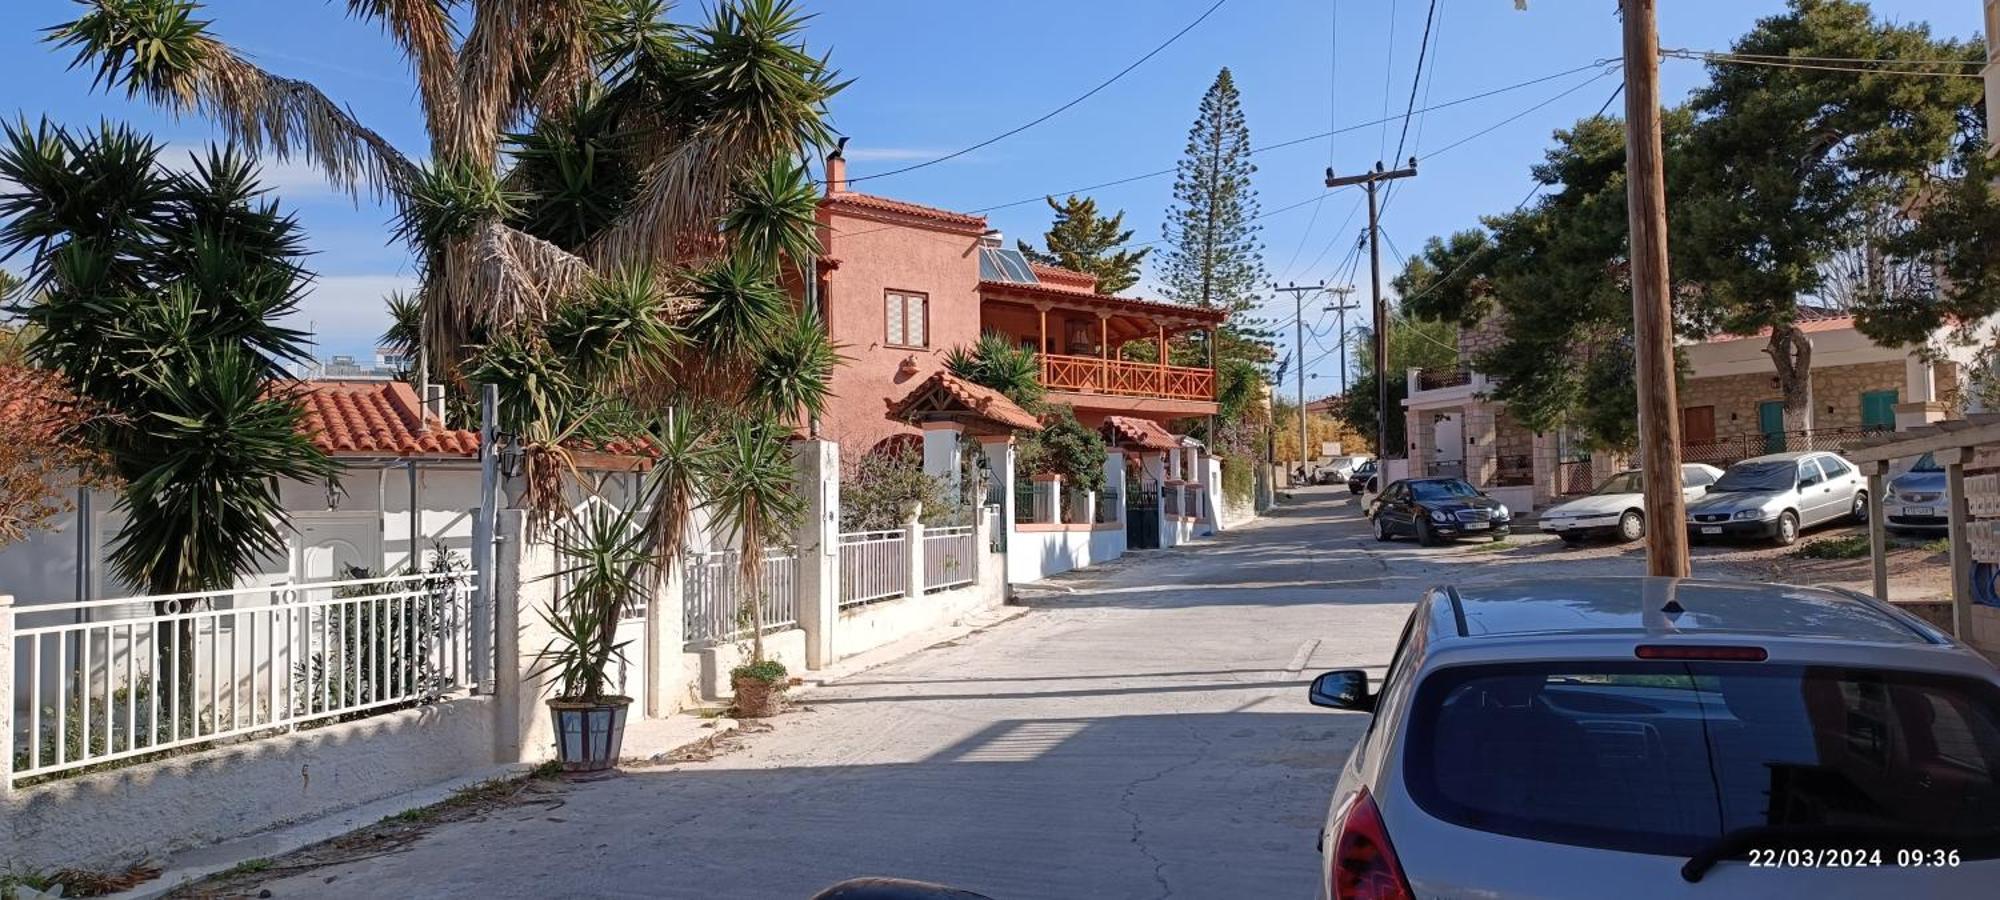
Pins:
<point x="589" y="736"/>
<point x="757" y="698"/>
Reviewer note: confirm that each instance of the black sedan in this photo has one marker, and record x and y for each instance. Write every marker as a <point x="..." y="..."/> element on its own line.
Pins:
<point x="1359" y="479"/>
<point x="1437" y="509"/>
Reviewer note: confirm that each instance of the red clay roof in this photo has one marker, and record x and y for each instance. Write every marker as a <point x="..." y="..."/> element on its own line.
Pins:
<point x="1073" y="296"/>
<point x="956" y="221"/>
<point x="377" y="418"/>
<point x="1058" y="276"/>
<point x="975" y="399"/>
<point x="1808" y="323"/>
<point x="1142" y="433"/>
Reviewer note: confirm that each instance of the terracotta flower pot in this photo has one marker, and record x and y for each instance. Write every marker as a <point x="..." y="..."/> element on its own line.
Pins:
<point x="757" y="698"/>
<point x="589" y="736"/>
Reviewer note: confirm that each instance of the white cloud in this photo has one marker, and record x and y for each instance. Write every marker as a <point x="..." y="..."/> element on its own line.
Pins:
<point x="345" y="313"/>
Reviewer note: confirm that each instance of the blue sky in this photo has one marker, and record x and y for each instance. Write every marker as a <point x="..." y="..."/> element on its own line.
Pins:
<point x="931" y="77"/>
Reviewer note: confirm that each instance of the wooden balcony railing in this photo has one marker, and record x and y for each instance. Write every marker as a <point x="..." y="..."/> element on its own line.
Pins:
<point x="1121" y="378"/>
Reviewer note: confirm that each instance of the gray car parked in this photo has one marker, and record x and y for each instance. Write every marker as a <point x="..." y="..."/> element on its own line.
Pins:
<point x="1776" y="496"/>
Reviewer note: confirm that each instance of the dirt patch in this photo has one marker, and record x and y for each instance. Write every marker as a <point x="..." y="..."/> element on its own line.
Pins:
<point x="541" y="790"/>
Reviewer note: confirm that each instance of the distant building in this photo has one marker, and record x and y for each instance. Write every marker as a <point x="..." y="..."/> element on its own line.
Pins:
<point x="387" y="366"/>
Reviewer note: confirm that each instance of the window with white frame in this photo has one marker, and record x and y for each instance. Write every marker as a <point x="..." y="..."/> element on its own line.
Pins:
<point x="907" y="317"/>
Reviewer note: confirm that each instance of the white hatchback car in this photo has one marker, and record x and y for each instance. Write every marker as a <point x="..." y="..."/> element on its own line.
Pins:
<point x="1617" y="508"/>
<point x="1666" y="738"/>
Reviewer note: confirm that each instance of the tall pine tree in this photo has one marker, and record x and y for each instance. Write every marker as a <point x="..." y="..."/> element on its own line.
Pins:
<point x="1083" y="241"/>
<point x="1213" y="257"/>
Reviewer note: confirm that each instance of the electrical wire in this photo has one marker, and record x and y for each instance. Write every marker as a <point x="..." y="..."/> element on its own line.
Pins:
<point x="1058" y="110"/>
<point x="1423" y="47"/>
<point x="1776" y="63"/>
<point x="1332" y="110"/>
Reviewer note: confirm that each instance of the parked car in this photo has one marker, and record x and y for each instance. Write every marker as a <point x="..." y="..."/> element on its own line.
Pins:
<point x="1594" y="737"/>
<point x="1359" y="478"/>
<point x="1338" y="469"/>
<point x="1915" y="500"/>
<point x="1777" y="496"/>
<point x="1438" y="509"/>
<point x="1618" y="507"/>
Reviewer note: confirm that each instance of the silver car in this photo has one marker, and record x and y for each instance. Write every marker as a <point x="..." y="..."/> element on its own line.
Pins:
<point x="1916" y="500"/>
<point x="1777" y="496"/>
<point x="1666" y="738"/>
<point x="1618" y="507"/>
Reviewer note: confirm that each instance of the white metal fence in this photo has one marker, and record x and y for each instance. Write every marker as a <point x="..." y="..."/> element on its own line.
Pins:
<point x="874" y="565"/>
<point x="132" y="677"/>
<point x="712" y="606"/>
<point x="951" y="557"/>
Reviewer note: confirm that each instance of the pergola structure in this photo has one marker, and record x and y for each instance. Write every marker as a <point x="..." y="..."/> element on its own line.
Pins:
<point x="1952" y="443"/>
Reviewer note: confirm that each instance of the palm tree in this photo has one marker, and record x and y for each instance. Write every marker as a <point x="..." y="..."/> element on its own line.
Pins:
<point x="607" y="208"/>
<point x="156" y="295"/>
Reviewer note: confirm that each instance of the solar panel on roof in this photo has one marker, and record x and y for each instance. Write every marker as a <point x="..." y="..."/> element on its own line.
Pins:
<point x="1002" y="264"/>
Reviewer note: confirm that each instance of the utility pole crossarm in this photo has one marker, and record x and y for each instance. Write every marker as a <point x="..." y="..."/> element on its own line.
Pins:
<point x="1371" y="181"/>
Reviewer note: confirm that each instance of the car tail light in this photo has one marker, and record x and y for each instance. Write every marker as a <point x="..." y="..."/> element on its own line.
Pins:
<point x="1688" y="651"/>
<point x="1364" y="864"/>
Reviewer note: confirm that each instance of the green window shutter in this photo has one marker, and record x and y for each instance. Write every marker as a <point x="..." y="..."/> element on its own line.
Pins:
<point x="1878" y="409"/>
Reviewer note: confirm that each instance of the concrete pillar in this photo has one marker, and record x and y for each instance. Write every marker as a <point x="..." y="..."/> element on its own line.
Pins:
<point x="1920" y="404"/>
<point x="1878" y="530"/>
<point x="999" y="452"/>
<point x="7" y="695"/>
<point x="524" y="589"/>
<point x="913" y="538"/>
<point x="1954" y="460"/>
<point x="666" y="629"/>
<point x="1048" y="499"/>
<point x="818" y="540"/>
<point x="1547" y="467"/>
<point x="1482" y="444"/>
<point x="1083" y="507"/>
<point x="1421" y="429"/>
<point x="1114" y="483"/>
<point x="941" y="454"/>
<point x="1155" y="464"/>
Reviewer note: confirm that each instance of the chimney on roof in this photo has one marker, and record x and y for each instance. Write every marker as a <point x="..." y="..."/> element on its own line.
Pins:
<point x="836" y="168"/>
<point x="992" y="238"/>
<point x="434" y="401"/>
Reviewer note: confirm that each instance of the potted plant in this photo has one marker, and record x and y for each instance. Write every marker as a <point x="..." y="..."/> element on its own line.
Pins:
<point x="755" y="499"/>
<point x="759" y="687"/>
<point x="607" y="567"/>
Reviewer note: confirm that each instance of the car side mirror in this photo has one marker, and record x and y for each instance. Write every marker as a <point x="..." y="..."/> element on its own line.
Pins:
<point x="1342" y="689"/>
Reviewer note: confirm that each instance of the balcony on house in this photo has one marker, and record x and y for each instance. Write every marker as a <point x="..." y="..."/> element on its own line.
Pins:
<point x="1097" y="353"/>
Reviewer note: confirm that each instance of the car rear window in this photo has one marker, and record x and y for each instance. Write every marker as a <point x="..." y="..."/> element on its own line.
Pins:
<point x="1665" y="757"/>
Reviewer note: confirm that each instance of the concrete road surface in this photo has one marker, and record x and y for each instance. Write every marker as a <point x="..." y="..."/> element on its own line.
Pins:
<point x="1142" y="734"/>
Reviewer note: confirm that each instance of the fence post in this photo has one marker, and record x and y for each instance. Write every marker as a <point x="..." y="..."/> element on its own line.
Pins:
<point x="913" y="538"/>
<point x="818" y="540"/>
<point x="524" y="586"/>
<point x="7" y="694"/>
<point x="666" y="629"/>
<point x="483" y="537"/>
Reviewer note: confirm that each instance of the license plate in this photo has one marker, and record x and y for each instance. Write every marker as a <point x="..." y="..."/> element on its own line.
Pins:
<point x="1475" y="526"/>
<point x="1711" y="529"/>
<point x="1918" y="511"/>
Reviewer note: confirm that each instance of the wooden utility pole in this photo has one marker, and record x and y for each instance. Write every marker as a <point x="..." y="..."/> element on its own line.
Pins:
<point x="1340" y="308"/>
<point x="1652" y="305"/>
<point x="1299" y="350"/>
<point x="1370" y="181"/>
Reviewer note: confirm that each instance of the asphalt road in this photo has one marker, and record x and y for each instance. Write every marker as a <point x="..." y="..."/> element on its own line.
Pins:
<point x="1142" y="734"/>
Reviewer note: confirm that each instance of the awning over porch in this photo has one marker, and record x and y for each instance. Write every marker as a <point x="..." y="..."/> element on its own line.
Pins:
<point x="1139" y="434"/>
<point x="945" y="397"/>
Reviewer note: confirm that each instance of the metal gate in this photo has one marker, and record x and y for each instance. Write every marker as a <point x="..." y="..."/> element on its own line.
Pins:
<point x="1142" y="520"/>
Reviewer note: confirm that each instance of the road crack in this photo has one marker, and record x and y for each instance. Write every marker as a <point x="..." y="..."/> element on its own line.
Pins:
<point x="1138" y="839"/>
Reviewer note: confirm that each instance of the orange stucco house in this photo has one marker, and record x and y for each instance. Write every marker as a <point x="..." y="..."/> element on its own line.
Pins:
<point x="902" y="284"/>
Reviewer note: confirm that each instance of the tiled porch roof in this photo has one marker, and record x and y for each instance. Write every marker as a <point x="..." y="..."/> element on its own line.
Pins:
<point x="1809" y="321"/>
<point x="870" y="203"/>
<point x="1144" y="434"/>
<point x="378" y="418"/>
<point x="1079" y="298"/>
<point x="948" y="397"/>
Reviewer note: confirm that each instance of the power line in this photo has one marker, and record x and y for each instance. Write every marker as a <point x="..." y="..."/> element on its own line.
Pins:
<point x="1423" y="47"/>
<point x="1332" y="109"/>
<point x="1058" y="110"/>
<point x="1517" y="116"/>
<point x="1388" y="77"/>
<point x="1743" y="60"/>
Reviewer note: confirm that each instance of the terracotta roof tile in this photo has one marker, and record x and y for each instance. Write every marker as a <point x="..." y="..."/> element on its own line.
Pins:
<point x="1142" y="433"/>
<point x="1807" y="323"/>
<point x="1067" y="294"/>
<point x="1059" y="276"/>
<point x="977" y="399"/>
<point x="377" y="418"/>
<point x="873" y="203"/>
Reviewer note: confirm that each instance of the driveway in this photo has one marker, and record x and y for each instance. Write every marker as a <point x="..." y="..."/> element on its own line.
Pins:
<point x="1142" y="734"/>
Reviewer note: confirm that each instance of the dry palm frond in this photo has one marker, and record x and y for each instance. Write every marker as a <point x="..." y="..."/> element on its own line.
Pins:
<point x="494" y="280"/>
<point x="496" y="69"/>
<point x="673" y="218"/>
<point x="423" y="28"/>
<point x="168" y="57"/>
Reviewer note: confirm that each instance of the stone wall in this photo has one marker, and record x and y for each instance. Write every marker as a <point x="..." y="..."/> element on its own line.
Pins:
<point x="1490" y="333"/>
<point x="1736" y="397"/>
<point x="1515" y="441"/>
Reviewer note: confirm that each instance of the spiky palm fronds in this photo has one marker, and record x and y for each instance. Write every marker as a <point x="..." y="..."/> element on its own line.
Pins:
<point x="606" y="569"/>
<point x="426" y="34"/>
<point x="793" y="375"/>
<point x="620" y="326"/>
<point x="772" y="216"/>
<point x="754" y="499"/>
<point x="997" y="363"/>
<point x="576" y="171"/>
<point x="156" y="49"/>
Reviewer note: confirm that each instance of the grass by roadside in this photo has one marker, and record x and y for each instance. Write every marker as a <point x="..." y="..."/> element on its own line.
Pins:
<point x="1855" y="546"/>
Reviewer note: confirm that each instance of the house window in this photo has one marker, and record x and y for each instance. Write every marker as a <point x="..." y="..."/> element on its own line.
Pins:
<point x="908" y="320"/>
<point x="1878" y="410"/>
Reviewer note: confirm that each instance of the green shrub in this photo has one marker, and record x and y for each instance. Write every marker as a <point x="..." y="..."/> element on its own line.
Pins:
<point x="1853" y="546"/>
<point x="770" y="671"/>
<point x="1239" y="478"/>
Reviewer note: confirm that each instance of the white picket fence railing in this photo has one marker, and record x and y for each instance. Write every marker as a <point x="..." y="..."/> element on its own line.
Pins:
<point x="136" y="676"/>
<point x="712" y="608"/>
<point x="874" y="565"/>
<point x="951" y="557"/>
